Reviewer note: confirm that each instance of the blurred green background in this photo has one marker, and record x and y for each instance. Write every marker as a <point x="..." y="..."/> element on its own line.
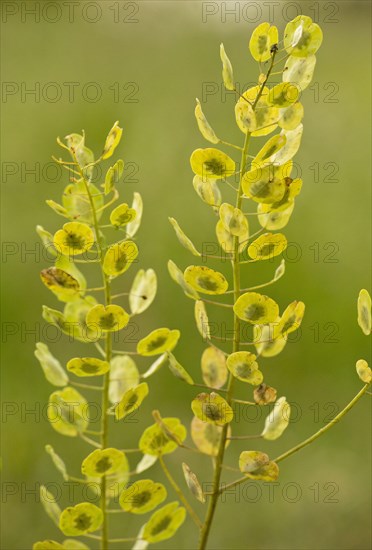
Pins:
<point x="148" y="74"/>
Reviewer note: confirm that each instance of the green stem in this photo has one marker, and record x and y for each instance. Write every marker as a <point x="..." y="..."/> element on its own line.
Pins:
<point x="108" y="355"/>
<point x="204" y="534"/>
<point x="179" y="492"/>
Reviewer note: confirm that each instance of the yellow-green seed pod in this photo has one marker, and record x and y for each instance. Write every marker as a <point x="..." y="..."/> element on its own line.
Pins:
<point x="76" y="201"/>
<point x="266" y="184"/>
<point x="145" y="463"/>
<point x="291" y="318"/>
<point x="57" y="461"/>
<point x="142" y="496"/>
<point x="242" y="365"/>
<point x="226" y="239"/>
<point x="268" y="472"/>
<point x="47" y="240"/>
<point x="266" y="115"/>
<point x="271" y="146"/>
<point x="158" y="341"/>
<point x="211" y="407"/>
<point x="213" y="367"/>
<point x="277" y="420"/>
<point x="364" y="311"/>
<point x="245" y="117"/>
<point x="155" y="442"/>
<point x="283" y="95"/>
<point x="233" y="220"/>
<point x="177" y="276"/>
<point x="364" y="371"/>
<point x="291" y="117"/>
<point x="47" y="545"/>
<point x="292" y="189"/>
<point x="137" y="205"/>
<point x="299" y="70"/>
<point x="107" y="318"/>
<point x="207" y="436"/>
<point x="112" y="141"/>
<point x="251" y="461"/>
<point x="164" y="523"/>
<point x="280" y="270"/>
<point x="80" y="519"/>
<point x="68" y="412"/>
<point x="124" y="375"/>
<point x="122" y="215"/>
<point x="183" y="238"/>
<point x="143" y="291"/>
<point x="50" y="505"/>
<point x="52" y="368"/>
<point x="302" y="37"/>
<point x="201" y="319"/>
<point x="113" y="176"/>
<point x="267" y="246"/>
<point x="193" y="483"/>
<point x="205" y="280"/>
<point x="131" y="400"/>
<point x="256" y="308"/>
<point x="212" y="164"/>
<point x="205" y="129"/>
<point x="179" y="371"/>
<point x="119" y="257"/>
<point x="262" y="39"/>
<point x="74" y="320"/>
<point x="264" y="394"/>
<point x="274" y="219"/>
<point x="57" y="208"/>
<point x="227" y="70"/>
<point x="208" y="191"/>
<point x="84" y="156"/>
<point x="103" y="462"/>
<point x="267" y="341"/>
<point x="291" y="147"/>
<point x="74" y="238"/>
<point x="67" y="264"/>
<point x="88" y="366"/>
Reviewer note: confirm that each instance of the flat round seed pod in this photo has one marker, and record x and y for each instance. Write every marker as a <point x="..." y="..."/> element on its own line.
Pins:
<point x="302" y="37"/>
<point x="155" y="442"/>
<point x="211" y="163"/>
<point x="119" y="257"/>
<point x="158" y="341"/>
<point x="75" y="238"/>
<point x="107" y="318"/>
<point x="164" y="523"/>
<point x="122" y="215"/>
<point x="206" y="436"/>
<point x="131" y="400"/>
<point x="256" y="308"/>
<point x="80" y="519"/>
<point x="262" y="39"/>
<point x="206" y="280"/>
<point x="142" y="496"/>
<point x="88" y="366"/>
<point x="102" y="462"/>
<point x="242" y="365"/>
<point x="212" y="408"/>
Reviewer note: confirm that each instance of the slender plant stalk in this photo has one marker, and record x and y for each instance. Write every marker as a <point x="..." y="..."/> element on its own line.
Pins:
<point x="179" y="492"/>
<point x="205" y="531"/>
<point x="108" y="356"/>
